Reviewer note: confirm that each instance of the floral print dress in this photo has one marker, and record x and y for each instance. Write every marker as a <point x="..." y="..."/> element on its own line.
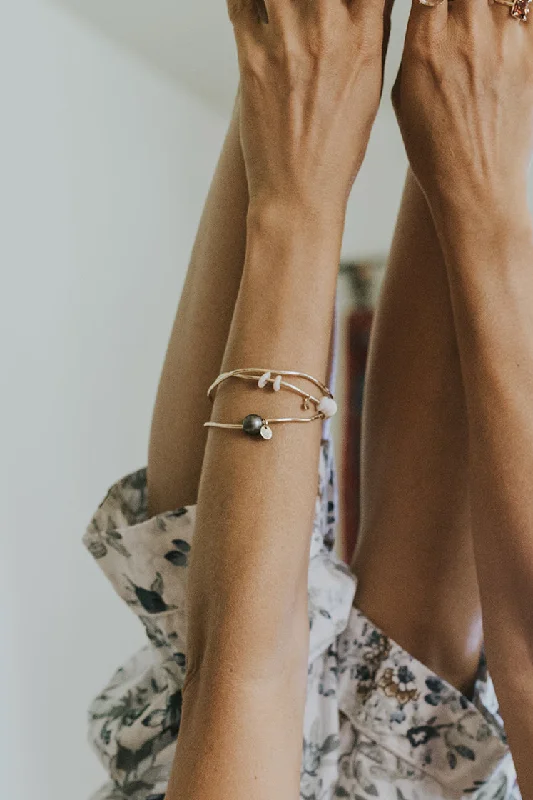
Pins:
<point x="378" y="723"/>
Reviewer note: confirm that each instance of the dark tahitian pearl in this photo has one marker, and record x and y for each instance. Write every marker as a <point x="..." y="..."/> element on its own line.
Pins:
<point x="252" y="424"/>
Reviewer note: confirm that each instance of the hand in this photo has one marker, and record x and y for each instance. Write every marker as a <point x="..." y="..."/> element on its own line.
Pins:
<point x="311" y="81"/>
<point x="464" y="103"/>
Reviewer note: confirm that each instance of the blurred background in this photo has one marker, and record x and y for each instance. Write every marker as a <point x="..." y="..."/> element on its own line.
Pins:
<point x="112" y="116"/>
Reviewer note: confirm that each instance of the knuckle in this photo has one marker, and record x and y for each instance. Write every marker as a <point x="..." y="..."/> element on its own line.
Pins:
<point x="236" y="9"/>
<point x="421" y="48"/>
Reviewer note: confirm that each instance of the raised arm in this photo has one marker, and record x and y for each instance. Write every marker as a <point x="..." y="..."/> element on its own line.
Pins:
<point x="310" y="85"/>
<point x="467" y="79"/>
<point x="416" y="577"/>
<point x="199" y="335"/>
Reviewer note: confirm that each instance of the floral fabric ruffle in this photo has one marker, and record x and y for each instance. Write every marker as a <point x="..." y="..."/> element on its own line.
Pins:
<point x="377" y="724"/>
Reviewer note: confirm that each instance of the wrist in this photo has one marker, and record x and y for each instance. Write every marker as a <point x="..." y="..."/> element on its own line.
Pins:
<point x="479" y="230"/>
<point x="320" y="224"/>
<point x="293" y="249"/>
<point x="472" y="199"/>
<point x="490" y="278"/>
<point x="291" y="246"/>
<point x="287" y="290"/>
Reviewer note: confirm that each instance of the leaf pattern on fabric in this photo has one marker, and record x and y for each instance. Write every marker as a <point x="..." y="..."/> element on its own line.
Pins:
<point x="180" y="556"/>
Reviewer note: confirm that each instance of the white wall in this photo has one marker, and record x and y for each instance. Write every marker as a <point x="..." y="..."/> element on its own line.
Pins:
<point x="103" y="170"/>
<point x="377" y="191"/>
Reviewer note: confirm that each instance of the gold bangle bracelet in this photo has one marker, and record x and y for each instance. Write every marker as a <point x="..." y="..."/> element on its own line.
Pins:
<point x="256" y="373"/>
<point x="256" y="426"/>
<point x="308" y="398"/>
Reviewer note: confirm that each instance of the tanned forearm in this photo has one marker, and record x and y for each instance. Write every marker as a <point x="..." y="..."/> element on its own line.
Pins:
<point x="466" y="123"/>
<point x="310" y="89"/>
<point x="248" y="631"/>
<point x="416" y="576"/>
<point x="490" y="267"/>
<point x="199" y="335"/>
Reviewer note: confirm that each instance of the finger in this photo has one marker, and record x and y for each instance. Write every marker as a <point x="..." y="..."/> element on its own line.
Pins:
<point x="287" y="25"/>
<point x="246" y="17"/>
<point x="468" y="11"/>
<point x="518" y="11"/>
<point x="260" y="10"/>
<point x="427" y="21"/>
<point x="499" y="12"/>
<point x="282" y="13"/>
<point x="241" y="12"/>
<point x="360" y="9"/>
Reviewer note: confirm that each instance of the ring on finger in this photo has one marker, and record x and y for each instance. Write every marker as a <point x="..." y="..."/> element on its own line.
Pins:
<point x="518" y="9"/>
<point x="431" y="3"/>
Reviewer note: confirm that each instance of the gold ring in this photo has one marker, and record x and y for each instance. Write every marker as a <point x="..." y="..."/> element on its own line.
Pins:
<point x="519" y="9"/>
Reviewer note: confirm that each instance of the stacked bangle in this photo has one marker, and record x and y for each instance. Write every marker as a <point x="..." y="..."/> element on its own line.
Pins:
<point x="257" y="426"/>
<point x="265" y="375"/>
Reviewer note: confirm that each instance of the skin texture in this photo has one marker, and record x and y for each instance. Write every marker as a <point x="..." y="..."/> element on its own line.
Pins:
<point x="303" y="136"/>
<point x="492" y="309"/>
<point x="245" y="740"/>
<point x="199" y="335"/>
<point x="415" y="561"/>
<point x="467" y="57"/>
<point x="459" y="105"/>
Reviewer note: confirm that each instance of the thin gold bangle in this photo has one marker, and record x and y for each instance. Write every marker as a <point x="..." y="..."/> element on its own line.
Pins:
<point x="285" y="384"/>
<point x="259" y="372"/>
<point x="255" y="425"/>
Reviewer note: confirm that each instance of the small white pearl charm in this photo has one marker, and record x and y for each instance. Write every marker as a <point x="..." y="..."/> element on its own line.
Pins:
<point x="277" y="384"/>
<point x="266" y="432"/>
<point x="328" y="407"/>
<point x="263" y="380"/>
